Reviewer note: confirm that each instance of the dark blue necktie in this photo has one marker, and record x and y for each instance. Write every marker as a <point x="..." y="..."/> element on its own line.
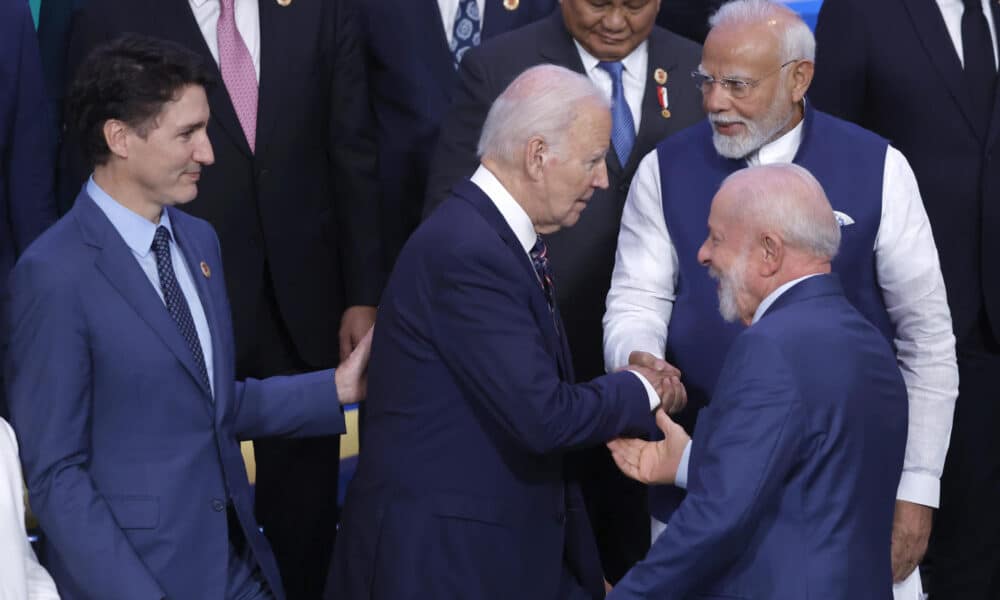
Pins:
<point x="540" y="260"/>
<point x="622" y="125"/>
<point x="980" y="67"/>
<point x="176" y="303"/>
<point x="465" y="31"/>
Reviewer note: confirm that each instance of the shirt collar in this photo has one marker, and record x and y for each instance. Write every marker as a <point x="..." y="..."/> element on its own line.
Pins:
<point x="136" y="230"/>
<point x="197" y="3"/>
<point x="635" y="62"/>
<point x="773" y="296"/>
<point x="510" y="210"/>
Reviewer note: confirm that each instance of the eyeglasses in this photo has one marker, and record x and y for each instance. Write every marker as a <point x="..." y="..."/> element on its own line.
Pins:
<point x="737" y="88"/>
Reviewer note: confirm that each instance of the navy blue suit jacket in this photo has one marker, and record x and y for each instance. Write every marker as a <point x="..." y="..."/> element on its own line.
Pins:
<point x="461" y="491"/>
<point x="905" y="82"/>
<point x="130" y="462"/>
<point x="27" y="204"/>
<point x="794" y="466"/>
<point x="411" y="77"/>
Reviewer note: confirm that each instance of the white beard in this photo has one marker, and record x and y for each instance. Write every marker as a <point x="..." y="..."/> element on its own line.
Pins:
<point x="758" y="132"/>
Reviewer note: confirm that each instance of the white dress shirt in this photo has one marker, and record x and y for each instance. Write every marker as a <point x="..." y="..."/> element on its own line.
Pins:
<point x="633" y="77"/>
<point x="952" y="11"/>
<point x="520" y="223"/>
<point x="448" y="10"/>
<point x="206" y="13"/>
<point x="138" y="233"/>
<point x="643" y="286"/>
<point x="21" y="576"/>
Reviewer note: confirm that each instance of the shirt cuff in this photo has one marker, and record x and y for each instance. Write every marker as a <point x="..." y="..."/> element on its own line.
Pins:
<point x="919" y="488"/>
<point x="654" y="398"/>
<point x="681" y="479"/>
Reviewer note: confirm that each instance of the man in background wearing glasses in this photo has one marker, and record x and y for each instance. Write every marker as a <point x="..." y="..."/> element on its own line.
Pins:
<point x="756" y="67"/>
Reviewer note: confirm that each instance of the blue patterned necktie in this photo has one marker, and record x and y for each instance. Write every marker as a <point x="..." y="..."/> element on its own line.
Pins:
<point x="465" y="31"/>
<point x="622" y="125"/>
<point x="176" y="303"/>
<point x="540" y="261"/>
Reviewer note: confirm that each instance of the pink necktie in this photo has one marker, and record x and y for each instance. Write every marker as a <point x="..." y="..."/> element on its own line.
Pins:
<point x="237" y="69"/>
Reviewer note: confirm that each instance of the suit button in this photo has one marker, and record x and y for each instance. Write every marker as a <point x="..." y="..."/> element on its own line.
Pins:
<point x="218" y="505"/>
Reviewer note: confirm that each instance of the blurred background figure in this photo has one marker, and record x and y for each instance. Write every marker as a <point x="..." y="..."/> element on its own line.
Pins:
<point x="923" y="73"/>
<point x="27" y="142"/>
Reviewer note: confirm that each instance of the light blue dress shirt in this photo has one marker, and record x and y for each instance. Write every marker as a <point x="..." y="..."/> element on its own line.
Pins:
<point x="138" y="232"/>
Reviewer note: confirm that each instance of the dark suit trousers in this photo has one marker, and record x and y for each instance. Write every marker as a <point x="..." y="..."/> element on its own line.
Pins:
<point x="963" y="561"/>
<point x="296" y="488"/>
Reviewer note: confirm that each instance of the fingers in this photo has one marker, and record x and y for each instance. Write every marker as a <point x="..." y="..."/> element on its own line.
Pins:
<point x="674" y="397"/>
<point x="346" y="345"/>
<point x="645" y="359"/>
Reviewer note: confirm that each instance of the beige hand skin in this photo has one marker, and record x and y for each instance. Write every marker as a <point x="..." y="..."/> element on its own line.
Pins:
<point x="662" y="373"/>
<point x="911" y="530"/>
<point x="352" y="374"/>
<point x="354" y="324"/>
<point x="653" y="462"/>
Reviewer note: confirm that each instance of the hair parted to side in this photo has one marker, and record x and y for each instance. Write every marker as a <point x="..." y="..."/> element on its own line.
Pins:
<point x="796" y="40"/>
<point x="543" y="101"/>
<point x="128" y="79"/>
<point x="787" y="199"/>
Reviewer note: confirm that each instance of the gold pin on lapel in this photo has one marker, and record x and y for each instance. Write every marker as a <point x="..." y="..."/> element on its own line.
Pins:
<point x="284" y="2"/>
<point x="511" y="4"/>
<point x="205" y="270"/>
<point x="660" y="76"/>
<point x="665" y="113"/>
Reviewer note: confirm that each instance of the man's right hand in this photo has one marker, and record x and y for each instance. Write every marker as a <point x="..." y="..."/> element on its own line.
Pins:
<point x="352" y="374"/>
<point x="664" y="377"/>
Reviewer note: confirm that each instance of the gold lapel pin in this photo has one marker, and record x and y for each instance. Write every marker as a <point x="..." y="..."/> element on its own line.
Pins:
<point x="511" y="4"/>
<point x="660" y="76"/>
<point x="284" y="2"/>
<point x="665" y="113"/>
<point x="205" y="270"/>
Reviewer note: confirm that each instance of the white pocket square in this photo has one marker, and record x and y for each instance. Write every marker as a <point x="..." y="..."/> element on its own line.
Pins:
<point x="843" y="219"/>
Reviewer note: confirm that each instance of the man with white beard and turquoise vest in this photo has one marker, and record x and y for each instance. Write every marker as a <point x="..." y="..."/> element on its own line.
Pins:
<point x="756" y="67"/>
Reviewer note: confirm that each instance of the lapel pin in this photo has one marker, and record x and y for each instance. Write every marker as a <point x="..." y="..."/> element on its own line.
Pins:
<point x="205" y="270"/>
<point x="284" y="2"/>
<point x="664" y="99"/>
<point x="511" y="4"/>
<point x="660" y="76"/>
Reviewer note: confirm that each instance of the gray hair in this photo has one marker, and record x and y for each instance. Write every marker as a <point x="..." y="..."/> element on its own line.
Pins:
<point x="796" y="40"/>
<point x="543" y="101"/>
<point x="786" y="198"/>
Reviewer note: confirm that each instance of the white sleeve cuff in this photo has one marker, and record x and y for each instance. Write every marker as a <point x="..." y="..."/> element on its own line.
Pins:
<point x="919" y="488"/>
<point x="681" y="479"/>
<point x="654" y="398"/>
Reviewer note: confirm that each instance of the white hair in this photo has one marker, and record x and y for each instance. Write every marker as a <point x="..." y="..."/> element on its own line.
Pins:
<point x="787" y="199"/>
<point x="796" y="40"/>
<point x="543" y="101"/>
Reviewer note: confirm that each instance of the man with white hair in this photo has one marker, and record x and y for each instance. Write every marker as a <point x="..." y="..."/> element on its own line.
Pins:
<point x="756" y="67"/>
<point x="795" y="463"/>
<point x="462" y="490"/>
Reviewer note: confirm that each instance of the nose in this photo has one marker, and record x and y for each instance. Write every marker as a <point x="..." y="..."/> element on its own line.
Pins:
<point x="615" y="19"/>
<point x="601" y="176"/>
<point x="704" y="254"/>
<point x="715" y="99"/>
<point x="203" y="153"/>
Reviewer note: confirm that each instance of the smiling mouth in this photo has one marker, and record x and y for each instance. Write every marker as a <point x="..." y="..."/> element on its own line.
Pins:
<point x="727" y="127"/>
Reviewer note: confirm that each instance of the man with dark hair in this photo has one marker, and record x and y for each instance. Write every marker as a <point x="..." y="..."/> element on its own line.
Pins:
<point x="121" y="370"/>
<point x="293" y="197"/>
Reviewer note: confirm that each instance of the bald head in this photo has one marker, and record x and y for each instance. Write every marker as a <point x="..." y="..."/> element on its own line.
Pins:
<point x="768" y="225"/>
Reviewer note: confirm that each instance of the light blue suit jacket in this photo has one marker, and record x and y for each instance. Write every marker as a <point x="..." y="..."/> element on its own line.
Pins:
<point x="794" y="465"/>
<point x="130" y="462"/>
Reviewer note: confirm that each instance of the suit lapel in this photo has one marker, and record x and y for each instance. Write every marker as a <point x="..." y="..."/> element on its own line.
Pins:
<point x="497" y="19"/>
<point x="119" y="266"/>
<point x="994" y="131"/>
<point x="554" y="337"/>
<point x="653" y="126"/>
<point x="426" y="17"/>
<point x="933" y="34"/>
<point x="178" y="24"/>
<point x="194" y="255"/>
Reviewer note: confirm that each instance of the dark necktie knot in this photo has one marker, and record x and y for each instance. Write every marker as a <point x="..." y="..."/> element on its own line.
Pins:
<point x="613" y="68"/>
<point x="161" y="240"/>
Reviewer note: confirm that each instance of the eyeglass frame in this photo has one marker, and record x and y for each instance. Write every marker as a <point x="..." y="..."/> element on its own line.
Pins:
<point x="704" y="82"/>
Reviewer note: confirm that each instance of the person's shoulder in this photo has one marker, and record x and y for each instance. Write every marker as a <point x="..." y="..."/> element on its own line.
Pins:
<point x="194" y="226"/>
<point x="847" y="129"/>
<point x="57" y="255"/>
<point x="509" y="46"/>
<point x="675" y="48"/>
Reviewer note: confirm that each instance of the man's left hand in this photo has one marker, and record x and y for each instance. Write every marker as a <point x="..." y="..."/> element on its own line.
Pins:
<point x="354" y="324"/>
<point x="911" y="529"/>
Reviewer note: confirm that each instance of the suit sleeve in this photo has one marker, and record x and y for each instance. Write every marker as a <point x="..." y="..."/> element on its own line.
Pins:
<point x="747" y="442"/>
<point x="493" y="345"/>
<point x="293" y="406"/>
<point x="353" y="156"/>
<point x="841" y="80"/>
<point x="30" y="165"/>
<point x="455" y="157"/>
<point x="50" y="382"/>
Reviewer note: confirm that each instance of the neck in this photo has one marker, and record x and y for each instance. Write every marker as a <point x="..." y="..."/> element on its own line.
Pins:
<point x="797" y="115"/>
<point x="124" y="191"/>
<point x="517" y="186"/>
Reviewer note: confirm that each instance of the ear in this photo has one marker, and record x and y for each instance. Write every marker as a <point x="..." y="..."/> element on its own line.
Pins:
<point x="802" y="76"/>
<point x="535" y="155"/>
<point x="772" y="254"/>
<point x="116" y="134"/>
